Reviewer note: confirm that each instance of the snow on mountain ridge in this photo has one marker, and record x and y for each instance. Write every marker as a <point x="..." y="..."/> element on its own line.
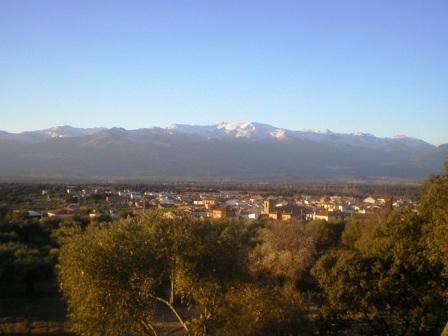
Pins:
<point x="279" y="134"/>
<point x="225" y="129"/>
<point x="69" y="131"/>
<point x="258" y="131"/>
<point x="250" y="130"/>
<point x="361" y="134"/>
<point x="253" y="129"/>
<point x="236" y="130"/>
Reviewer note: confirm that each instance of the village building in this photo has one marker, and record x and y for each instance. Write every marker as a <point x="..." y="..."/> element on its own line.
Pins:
<point x="223" y="212"/>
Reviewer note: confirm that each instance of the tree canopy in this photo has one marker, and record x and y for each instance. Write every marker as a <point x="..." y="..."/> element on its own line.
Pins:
<point x="386" y="275"/>
<point x="116" y="276"/>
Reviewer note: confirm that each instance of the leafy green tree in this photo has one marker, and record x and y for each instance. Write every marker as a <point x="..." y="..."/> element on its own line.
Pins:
<point x="21" y="264"/>
<point x="114" y="276"/>
<point x="213" y="260"/>
<point x="260" y="310"/>
<point x="434" y="209"/>
<point x="26" y="255"/>
<point x="325" y="234"/>
<point x="285" y="251"/>
<point x="357" y="232"/>
<point x="110" y="276"/>
<point x="68" y="228"/>
<point x="388" y="282"/>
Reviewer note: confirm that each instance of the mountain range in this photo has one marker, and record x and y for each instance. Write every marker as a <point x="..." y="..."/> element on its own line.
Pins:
<point x="226" y="150"/>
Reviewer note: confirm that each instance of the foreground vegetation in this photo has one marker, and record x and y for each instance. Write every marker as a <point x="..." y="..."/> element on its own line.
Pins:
<point x="157" y="274"/>
<point x="383" y="277"/>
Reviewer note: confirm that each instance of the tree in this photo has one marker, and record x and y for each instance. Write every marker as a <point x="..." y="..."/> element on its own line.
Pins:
<point x="388" y="282"/>
<point x="357" y="232"/>
<point x="285" y="250"/>
<point x="434" y="210"/>
<point x="260" y="310"/>
<point x="21" y="264"/>
<point x="26" y="255"/>
<point x="213" y="261"/>
<point x="114" y="276"/>
<point x="110" y="277"/>
<point x="325" y="234"/>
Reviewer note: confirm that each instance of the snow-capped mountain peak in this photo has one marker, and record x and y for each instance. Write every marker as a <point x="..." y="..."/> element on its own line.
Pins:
<point x="239" y="130"/>
<point x="172" y="127"/>
<point x="361" y="134"/>
<point x="260" y="131"/>
<point x="279" y="134"/>
<point x="69" y="131"/>
<point x="225" y="149"/>
<point x="252" y="131"/>
<point x="244" y="129"/>
<point x="249" y="130"/>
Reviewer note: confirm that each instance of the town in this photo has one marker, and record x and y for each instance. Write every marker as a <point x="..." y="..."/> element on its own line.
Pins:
<point x="110" y="203"/>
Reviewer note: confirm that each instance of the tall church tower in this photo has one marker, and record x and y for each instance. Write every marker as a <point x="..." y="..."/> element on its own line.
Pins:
<point x="268" y="206"/>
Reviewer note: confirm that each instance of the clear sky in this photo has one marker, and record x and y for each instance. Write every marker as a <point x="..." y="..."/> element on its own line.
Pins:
<point x="346" y="65"/>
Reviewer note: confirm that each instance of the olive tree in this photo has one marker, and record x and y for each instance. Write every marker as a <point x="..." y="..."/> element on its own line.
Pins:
<point x="114" y="275"/>
<point x="110" y="277"/>
<point x="434" y="209"/>
<point x="388" y="282"/>
<point x="285" y="250"/>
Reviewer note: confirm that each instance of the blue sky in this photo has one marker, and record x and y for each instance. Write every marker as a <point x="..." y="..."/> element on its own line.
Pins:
<point x="346" y="65"/>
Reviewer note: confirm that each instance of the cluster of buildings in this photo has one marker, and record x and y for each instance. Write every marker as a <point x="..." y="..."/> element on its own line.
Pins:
<point x="220" y="204"/>
<point x="254" y="206"/>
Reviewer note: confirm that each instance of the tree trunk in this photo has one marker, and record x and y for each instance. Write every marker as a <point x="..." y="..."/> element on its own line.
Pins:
<point x="174" y="311"/>
<point x="148" y="328"/>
